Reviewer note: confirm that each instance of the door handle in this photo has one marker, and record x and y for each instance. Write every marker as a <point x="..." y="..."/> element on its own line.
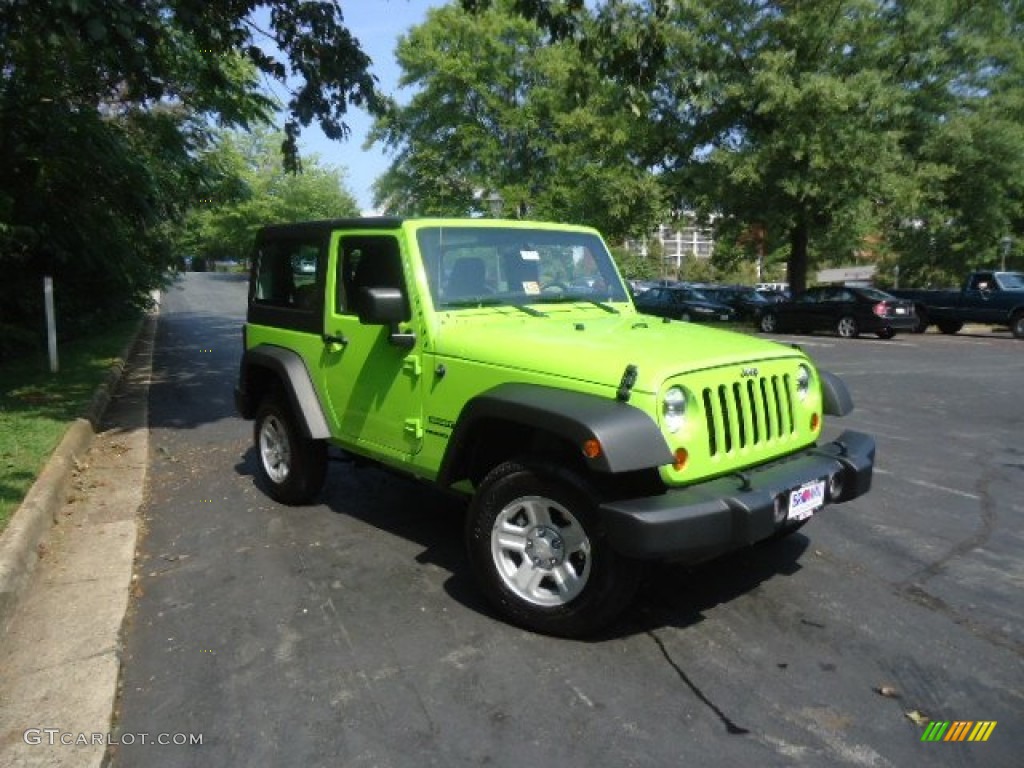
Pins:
<point x="339" y="340"/>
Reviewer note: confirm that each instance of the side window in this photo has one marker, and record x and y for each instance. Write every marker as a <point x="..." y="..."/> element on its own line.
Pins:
<point x="982" y="282"/>
<point x="286" y="275"/>
<point x="367" y="261"/>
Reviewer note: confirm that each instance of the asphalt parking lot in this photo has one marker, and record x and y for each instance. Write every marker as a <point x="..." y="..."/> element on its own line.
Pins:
<point x="349" y="633"/>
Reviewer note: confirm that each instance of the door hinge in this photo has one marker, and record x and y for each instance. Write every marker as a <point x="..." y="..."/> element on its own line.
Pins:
<point x="414" y="428"/>
<point x="412" y="365"/>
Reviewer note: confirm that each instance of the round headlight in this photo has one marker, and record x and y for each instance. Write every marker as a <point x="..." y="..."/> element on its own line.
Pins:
<point x="673" y="408"/>
<point x="803" y="381"/>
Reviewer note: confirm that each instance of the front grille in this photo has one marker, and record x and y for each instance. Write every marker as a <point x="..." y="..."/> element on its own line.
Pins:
<point x="748" y="413"/>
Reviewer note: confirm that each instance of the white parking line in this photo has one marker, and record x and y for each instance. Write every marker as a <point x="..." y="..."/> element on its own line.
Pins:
<point x="931" y="486"/>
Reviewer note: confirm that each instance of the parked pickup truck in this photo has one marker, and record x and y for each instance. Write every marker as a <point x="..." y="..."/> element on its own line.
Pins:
<point x="988" y="297"/>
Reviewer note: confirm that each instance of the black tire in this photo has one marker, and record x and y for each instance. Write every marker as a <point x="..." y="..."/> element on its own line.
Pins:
<point x="922" y="321"/>
<point x="885" y="333"/>
<point x="949" y="327"/>
<point x="1017" y="325"/>
<point x="539" y="555"/>
<point x="292" y="467"/>
<point x="847" y="327"/>
<point x="768" y="323"/>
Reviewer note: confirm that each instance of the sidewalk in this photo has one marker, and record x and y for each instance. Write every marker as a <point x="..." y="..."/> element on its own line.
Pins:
<point x="59" y="673"/>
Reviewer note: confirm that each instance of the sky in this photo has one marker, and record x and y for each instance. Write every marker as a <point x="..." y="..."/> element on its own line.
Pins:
<point x="376" y="24"/>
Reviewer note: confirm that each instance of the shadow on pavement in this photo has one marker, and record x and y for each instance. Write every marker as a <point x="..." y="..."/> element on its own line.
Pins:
<point x="670" y="596"/>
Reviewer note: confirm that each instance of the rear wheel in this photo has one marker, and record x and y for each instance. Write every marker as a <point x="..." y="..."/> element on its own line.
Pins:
<point x="539" y="555"/>
<point x="768" y="323"/>
<point x="950" y="327"/>
<point x="885" y="333"/>
<point x="847" y="327"/>
<point x="922" y="321"/>
<point x="292" y="466"/>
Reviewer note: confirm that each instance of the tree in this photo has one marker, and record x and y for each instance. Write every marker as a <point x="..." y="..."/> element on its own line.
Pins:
<point x="834" y="126"/>
<point x="967" y="139"/>
<point x="254" y="189"/>
<point x="503" y="115"/>
<point x="105" y="111"/>
<point x="776" y="115"/>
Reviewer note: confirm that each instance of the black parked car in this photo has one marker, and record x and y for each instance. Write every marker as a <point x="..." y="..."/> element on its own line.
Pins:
<point x="845" y="310"/>
<point x="748" y="303"/>
<point x="682" y="303"/>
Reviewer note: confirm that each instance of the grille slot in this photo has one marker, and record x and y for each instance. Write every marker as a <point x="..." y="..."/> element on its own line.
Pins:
<point x="748" y="414"/>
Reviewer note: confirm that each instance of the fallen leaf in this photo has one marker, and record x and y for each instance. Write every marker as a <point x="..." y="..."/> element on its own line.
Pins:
<point x="888" y="691"/>
<point x="918" y="718"/>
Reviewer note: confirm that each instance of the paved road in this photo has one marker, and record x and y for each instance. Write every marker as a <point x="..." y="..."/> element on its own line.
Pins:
<point x="348" y="633"/>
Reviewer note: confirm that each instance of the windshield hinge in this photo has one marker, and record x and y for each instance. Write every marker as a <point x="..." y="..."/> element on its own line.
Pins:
<point x="627" y="383"/>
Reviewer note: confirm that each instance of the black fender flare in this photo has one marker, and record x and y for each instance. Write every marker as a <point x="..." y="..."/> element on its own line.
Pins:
<point x="630" y="439"/>
<point x="835" y="396"/>
<point x="290" y="369"/>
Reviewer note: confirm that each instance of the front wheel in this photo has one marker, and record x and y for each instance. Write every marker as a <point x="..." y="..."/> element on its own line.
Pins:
<point x="536" y="548"/>
<point x="768" y="322"/>
<point x="293" y="467"/>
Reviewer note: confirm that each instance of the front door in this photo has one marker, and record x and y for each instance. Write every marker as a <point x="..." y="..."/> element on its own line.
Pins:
<point x="372" y="385"/>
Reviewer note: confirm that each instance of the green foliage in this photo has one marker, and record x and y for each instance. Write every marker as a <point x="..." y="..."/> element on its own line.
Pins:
<point x="105" y="111"/>
<point x="503" y="114"/>
<point x="254" y="189"/>
<point x="836" y="129"/>
<point x="633" y="266"/>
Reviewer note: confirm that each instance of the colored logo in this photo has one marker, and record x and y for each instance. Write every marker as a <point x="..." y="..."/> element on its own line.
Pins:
<point x="958" y="730"/>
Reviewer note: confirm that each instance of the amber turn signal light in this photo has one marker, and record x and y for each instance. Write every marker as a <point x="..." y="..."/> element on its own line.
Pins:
<point x="592" y="449"/>
<point x="681" y="458"/>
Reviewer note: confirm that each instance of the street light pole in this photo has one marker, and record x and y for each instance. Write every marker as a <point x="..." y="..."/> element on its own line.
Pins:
<point x="1006" y="242"/>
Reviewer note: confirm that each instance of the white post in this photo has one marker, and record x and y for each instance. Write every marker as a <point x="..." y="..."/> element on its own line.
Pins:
<point x="51" y="322"/>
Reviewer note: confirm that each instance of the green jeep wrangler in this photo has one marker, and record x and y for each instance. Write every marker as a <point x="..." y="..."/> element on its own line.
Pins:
<point x="505" y="360"/>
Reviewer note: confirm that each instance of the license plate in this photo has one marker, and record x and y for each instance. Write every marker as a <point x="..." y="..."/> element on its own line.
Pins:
<point x="806" y="500"/>
<point x="901" y="310"/>
<point x="723" y="317"/>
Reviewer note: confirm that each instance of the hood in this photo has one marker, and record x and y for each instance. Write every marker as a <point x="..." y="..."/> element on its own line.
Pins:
<point x="597" y="347"/>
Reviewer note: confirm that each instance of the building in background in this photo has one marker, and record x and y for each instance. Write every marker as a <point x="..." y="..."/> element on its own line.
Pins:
<point x="677" y="243"/>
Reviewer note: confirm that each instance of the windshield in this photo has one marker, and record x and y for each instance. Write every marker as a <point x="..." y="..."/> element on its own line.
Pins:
<point x="487" y="266"/>
<point x="1011" y="281"/>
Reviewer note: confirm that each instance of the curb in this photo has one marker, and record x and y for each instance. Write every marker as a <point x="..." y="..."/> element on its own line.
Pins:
<point x="31" y="522"/>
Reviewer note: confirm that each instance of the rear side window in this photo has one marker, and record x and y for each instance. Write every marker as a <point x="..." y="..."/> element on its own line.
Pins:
<point x="287" y="280"/>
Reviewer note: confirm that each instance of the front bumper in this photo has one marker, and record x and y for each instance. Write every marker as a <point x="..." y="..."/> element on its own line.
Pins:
<point x="709" y="519"/>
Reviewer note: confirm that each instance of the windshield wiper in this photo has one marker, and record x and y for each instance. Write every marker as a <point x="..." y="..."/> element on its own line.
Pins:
<point x="562" y="299"/>
<point x="488" y="301"/>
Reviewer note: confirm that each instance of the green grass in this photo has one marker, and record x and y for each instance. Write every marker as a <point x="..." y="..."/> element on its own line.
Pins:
<point x="36" y="406"/>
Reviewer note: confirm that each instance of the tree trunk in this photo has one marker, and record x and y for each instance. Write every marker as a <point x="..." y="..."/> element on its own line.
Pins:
<point x="796" y="267"/>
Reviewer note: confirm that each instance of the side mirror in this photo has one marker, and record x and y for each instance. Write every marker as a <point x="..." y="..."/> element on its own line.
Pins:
<point x="386" y="306"/>
<point x="382" y="306"/>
